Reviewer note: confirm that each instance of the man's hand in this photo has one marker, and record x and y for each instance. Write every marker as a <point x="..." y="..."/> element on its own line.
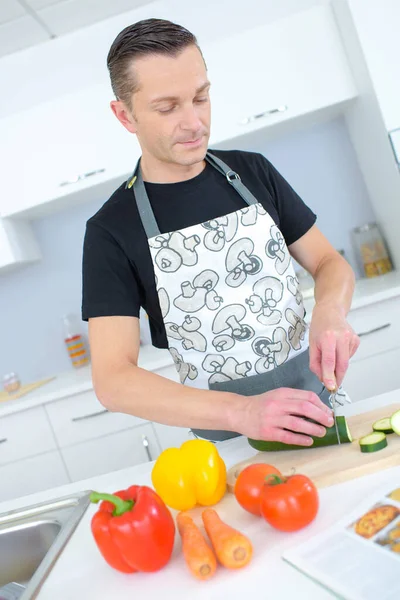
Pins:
<point x="269" y="416"/>
<point x="332" y="344"/>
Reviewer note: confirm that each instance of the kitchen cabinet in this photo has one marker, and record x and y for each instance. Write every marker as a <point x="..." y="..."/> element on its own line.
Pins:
<point x="72" y="148"/>
<point x="375" y="368"/>
<point x="377" y="27"/>
<point x="373" y="375"/>
<point x="32" y="475"/>
<point x="111" y="453"/>
<point x="60" y="149"/>
<point x="81" y="417"/>
<point x="18" y="246"/>
<point x="25" y="434"/>
<point x="277" y="72"/>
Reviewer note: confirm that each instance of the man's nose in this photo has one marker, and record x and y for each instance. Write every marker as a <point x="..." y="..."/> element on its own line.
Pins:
<point x="190" y="119"/>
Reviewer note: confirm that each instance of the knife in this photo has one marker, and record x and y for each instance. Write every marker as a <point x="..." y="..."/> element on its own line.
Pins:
<point x="332" y="401"/>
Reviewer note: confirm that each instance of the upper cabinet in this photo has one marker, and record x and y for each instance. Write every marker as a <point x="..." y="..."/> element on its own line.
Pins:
<point x="73" y="148"/>
<point x="277" y="72"/>
<point x="377" y="24"/>
<point x="62" y="149"/>
<point x="18" y="246"/>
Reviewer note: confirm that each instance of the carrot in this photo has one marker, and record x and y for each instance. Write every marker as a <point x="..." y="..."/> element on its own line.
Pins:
<point x="233" y="549"/>
<point x="199" y="557"/>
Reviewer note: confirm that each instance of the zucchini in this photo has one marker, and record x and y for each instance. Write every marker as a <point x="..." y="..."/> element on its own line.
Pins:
<point x="383" y="425"/>
<point x="329" y="439"/>
<point x="395" y="422"/>
<point x="373" y="442"/>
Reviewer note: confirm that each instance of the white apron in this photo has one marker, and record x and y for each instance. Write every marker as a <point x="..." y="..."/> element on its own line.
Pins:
<point x="229" y="298"/>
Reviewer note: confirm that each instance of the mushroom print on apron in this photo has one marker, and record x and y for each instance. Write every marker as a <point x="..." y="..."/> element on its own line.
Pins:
<point x="229" y="299"/>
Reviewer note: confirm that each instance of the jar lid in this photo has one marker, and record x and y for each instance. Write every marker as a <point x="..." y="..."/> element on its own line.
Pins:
<point x="364" y="228"/>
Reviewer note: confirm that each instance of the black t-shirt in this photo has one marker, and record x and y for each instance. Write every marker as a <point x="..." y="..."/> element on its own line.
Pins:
<point x="118" y="274"/>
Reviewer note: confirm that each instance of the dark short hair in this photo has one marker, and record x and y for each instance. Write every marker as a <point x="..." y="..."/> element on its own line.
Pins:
<point x="149" y="36"/>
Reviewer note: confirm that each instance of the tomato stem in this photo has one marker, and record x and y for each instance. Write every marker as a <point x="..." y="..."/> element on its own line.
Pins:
<point x="274" y="479"/>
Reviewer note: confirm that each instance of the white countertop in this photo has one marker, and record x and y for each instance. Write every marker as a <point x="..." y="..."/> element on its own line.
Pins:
<point x="81" y="572"/>
<point x="75" y="381"/>
<point x="369" y="290"/>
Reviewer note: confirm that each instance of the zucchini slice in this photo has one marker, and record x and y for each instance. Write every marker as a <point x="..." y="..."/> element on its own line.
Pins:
<point x="329" y="439"/>
<point x="383" y="425"/>
<point x="373" y="442"/>
<point x="395" y="422"/>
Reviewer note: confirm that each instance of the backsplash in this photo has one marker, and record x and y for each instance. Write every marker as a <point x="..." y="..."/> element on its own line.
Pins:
<point x="319" y="163"/>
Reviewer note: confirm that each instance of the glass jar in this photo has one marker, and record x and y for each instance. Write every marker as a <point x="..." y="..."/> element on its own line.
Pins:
<point x="371" y="250"/>
<point x="11" y="383"/>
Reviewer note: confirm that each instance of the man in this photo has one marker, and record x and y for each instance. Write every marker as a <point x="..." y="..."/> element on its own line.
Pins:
<point x="203" y="240"/>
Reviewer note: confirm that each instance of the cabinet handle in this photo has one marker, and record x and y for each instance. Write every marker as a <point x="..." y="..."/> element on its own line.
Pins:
<point x="91" y="416"/>
<point x="3" y="440"/>
<point x="266" y="113"/>
<point x="374" y="329"/>
<point x="145" y="442"/>
<point x="80" y="177"/>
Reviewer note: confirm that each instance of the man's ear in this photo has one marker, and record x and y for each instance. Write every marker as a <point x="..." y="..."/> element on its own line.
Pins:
<point x="123" y="115"/>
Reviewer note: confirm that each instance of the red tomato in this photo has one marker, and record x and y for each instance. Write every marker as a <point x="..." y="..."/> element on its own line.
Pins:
<point x="289" y="503"/>
<point x="249" y="484"/>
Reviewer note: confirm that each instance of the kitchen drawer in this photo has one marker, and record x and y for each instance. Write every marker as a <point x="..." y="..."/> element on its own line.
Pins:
<point x="111" y="453"/>
<point x="81" y="417"/>
<point x="32" y="475"/>
<point x="368" y="322"/>
<point x="25" y="433"/>
<point x="169" y="436"/>
<point x="373" y="375"/>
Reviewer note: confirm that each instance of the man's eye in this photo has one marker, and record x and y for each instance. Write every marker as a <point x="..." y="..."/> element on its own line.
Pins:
<point x="165" y="111"/>
<point x="202" y="99"/>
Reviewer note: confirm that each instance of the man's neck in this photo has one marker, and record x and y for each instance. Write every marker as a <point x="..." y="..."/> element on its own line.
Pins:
<point x="155" y="171"/>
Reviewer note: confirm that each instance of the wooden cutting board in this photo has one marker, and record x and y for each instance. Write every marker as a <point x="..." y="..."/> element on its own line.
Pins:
<point x="333" y="464"/>
<point x="23" y="390"/>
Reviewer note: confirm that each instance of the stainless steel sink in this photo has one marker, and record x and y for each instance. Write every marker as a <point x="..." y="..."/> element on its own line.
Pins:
<point x="32" y="538"/>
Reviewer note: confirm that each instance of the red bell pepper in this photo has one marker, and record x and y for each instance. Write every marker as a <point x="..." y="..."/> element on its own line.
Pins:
<point x="133" y="529"/>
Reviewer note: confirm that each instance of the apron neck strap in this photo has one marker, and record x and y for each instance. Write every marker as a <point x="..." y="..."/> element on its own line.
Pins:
<point x="143" y="203"/>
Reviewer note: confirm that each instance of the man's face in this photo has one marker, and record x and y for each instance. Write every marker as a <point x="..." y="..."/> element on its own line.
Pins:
<point x="171" y="109"/>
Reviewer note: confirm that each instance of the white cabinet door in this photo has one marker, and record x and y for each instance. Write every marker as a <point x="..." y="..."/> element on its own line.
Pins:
<point x="377" y="24"/>
<point x="32" y="475"/>
<point x="378" y="326"/>
<point x="297" y="62"/>
<point x="81" y="417"/>
<point x="60" y="149"/>
<point x="169" y="436"/>
<point x="111" y="452"/>
<point x="24" y="434"/>
<point x="17" y="245"/>
<point x="373" y="375"/>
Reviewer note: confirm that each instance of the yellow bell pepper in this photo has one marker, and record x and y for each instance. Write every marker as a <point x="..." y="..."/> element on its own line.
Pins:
<point x="192" y="474"/>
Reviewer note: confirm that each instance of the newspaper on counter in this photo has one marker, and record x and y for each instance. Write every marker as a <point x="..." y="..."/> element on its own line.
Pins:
<point x="358" y="558"/>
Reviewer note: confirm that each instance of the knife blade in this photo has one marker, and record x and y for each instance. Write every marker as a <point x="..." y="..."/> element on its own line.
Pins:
<point x="332" y="401"/>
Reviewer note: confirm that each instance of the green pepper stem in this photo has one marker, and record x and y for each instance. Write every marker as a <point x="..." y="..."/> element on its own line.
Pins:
<point x="274" y="479"/>
<point x="121" y="506"/>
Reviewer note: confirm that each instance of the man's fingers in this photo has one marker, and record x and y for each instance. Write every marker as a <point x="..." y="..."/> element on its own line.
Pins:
<point x="299" y="425"/>
<point x="342" y="357"/>
<point x="312" y="408"/>
<point x="355" y="343"/>
<point x="275" y="434"/>
<point x="315" y="361"/>
<point x="328" y="360"/>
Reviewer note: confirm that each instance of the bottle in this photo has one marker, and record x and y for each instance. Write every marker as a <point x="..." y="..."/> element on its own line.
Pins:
<point x="371" y="250"/>
<point x="75" y="343"/>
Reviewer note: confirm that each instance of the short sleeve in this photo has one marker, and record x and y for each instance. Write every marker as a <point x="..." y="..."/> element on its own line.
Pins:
<point x="109" y="284"/>
<point x="295" y="217"/>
